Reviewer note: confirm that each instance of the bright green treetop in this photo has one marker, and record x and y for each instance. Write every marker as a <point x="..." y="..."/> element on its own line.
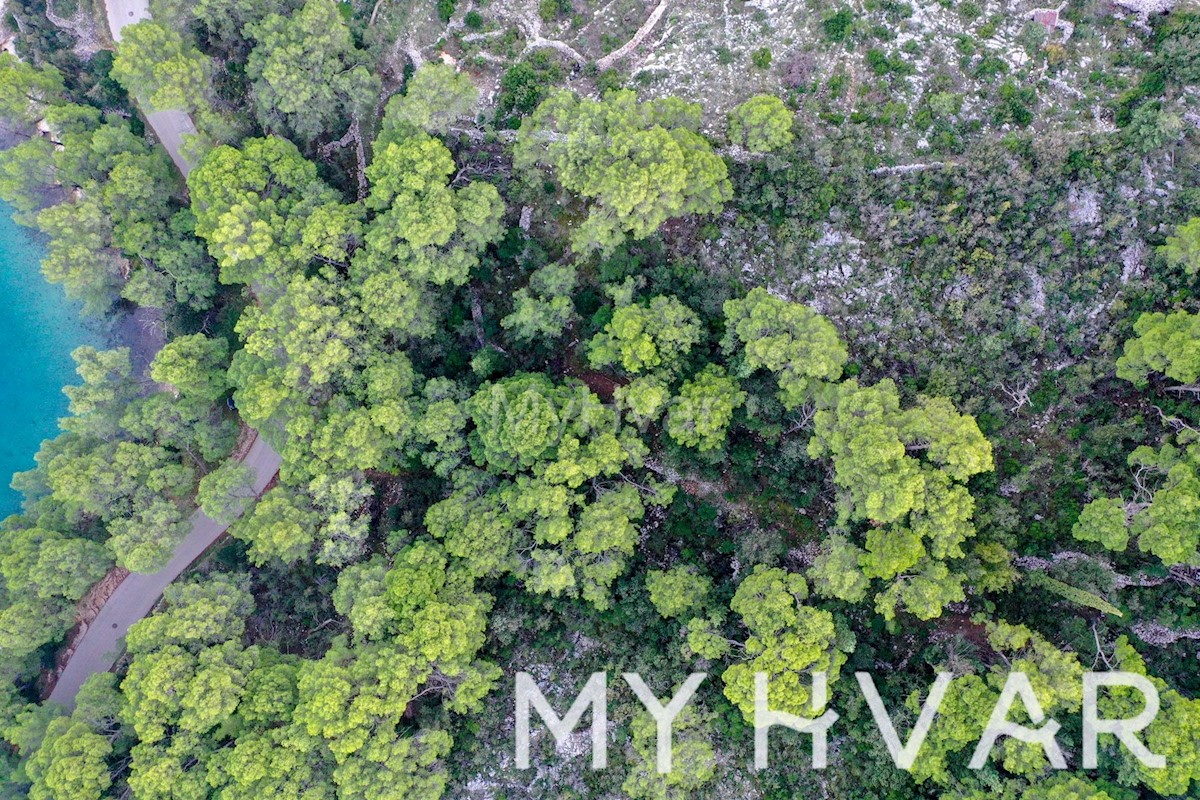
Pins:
<point x="701" y="413"/>
<point x="693" y="757"/>
<point x="788" y="640"/>
<point x="561" y="431"/>
<point x="434" y="231"/>
<point x="434" y="98"/>
<point x="1183" y="249"/>
<point x="650" y="338"/>
<point x="640" y="163"/>
<point x="1166" y="343"/>
<point x="677" y="591"/>
<point x="1103" y="520"/>
<point x="157" y="66"/>
<point x="762" y="124"/>
<point x="194" y="365"/>
<point x="252" y="204"/>
<point x="801" y="347"/>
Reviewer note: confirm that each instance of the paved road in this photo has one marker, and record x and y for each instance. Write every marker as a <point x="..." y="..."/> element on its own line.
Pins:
<point x="169" y="126"/>
<point x="101" y="644"/>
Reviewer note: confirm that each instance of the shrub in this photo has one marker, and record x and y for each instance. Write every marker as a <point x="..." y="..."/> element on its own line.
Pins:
<point x="550" y="10"/>
<point x="877" y="60"/>
<point x="1015" y="104"/>
<point x="838" y="26"/>
<point x="608" y="81"/>
<point x="525" y="84"/>
<point x="989" y="67"/>
<point x="882" y="64"/>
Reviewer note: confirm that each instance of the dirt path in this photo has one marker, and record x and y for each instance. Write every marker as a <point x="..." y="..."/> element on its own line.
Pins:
<point x="642" y="33"/>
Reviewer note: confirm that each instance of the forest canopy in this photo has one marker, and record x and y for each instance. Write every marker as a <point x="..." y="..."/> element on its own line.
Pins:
<point x="827" y="343"/>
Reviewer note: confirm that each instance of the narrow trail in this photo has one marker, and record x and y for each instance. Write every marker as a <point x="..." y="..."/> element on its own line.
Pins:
<point x="100" y="644"/>
<point x="638" y="37"/>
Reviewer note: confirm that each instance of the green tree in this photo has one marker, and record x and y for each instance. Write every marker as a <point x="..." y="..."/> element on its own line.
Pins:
<point x="299" y="346"/>
<point x="652" y="338"/>
<point x="1166" y="526"/>
<point x="701" y="413"/>
<point x="199" y="614"/>
<point x="544" y="309"/>
<point x="226" y="492"/>
<point x="762" y="124"/>
<point x="175" y="270"/>
<point x="435" y="97"/>
<point x="918" y="508"/>
<point x="229" y="19"/>
<point x="693" y="757"/>
<point x="157" y="66"/>
<point x="282" y="525"/>
<point x="924" y="591"/>
<point x="801" y="347"/>
<point x="78" y="254"/>
<point x="308" y="76"/>
<point x="836" y="571"/>
<point x="1169" y="527"/>
<point x="252" y="206"/>
<point x="1166" y="343"/>
<point x="47" y="564"/>
<point x="433" y="231"/>
<point x="1067" y="787"/>
<point x="644" y="398"/>
<point x="561" y="432"/>
<point x="677" y="591"/>
<point x="26" y="170"/>
<point x="1168" y="735"/>
<point x="194" y="365"/>
<point x="136" y="198"/>
<point x="27" y="90"/>
<point x="1055" y="676"/>
<point x="98" y="403"/>
<point x="640" y="163"/>
<point x="542" y="510"/>
<point x="362" y="597"/>
<point x="1105" y="521"/>
<point x="71" y="763"/>
<point x="787" y="641"/>
<point x="1183" y="249"/>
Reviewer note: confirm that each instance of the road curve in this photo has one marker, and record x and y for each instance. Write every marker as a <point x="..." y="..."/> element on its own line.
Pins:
<point x="169" y="126"/>
<point x="100" y="646"/>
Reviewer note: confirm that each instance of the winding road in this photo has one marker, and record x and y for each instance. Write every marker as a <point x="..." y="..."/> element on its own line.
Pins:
<point x="98" y="649"/>
<point x="100" y="646"/>
<point x="169" y="126"/>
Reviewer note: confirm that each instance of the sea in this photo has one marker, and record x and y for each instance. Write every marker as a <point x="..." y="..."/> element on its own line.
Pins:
<point x="39" y="327"/>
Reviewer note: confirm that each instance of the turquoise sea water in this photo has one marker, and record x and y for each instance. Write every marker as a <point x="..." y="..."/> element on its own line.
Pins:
<point x="39" y="328"/>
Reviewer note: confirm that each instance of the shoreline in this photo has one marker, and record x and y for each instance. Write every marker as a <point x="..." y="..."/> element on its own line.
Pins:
<point x="35" y="321"/>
